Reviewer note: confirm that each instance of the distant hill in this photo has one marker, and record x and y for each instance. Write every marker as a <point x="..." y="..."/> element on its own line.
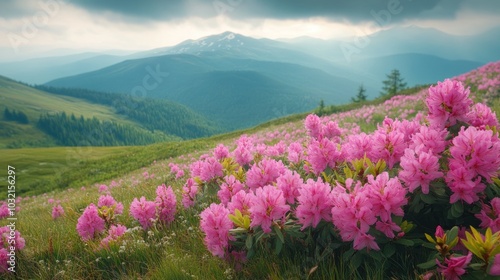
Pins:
<point x="253" y="87"/>
<point x="218" y="74"/>
<point x="42" y="70"/>
<point x="482" y="47"/>
<point x="417" y="69"/>
<point x="142" y="119"/>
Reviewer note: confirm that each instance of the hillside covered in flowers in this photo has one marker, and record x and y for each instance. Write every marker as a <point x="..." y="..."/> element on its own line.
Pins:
<point x="408" y="188"/>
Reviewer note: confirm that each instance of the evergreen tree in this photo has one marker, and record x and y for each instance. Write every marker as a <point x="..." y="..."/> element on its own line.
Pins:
<point x="22" y="118"/>
<point x="393" y="84"/>
<point x="361" y="96"/>
<point x="7" y="115"/>
<point x="321" y="108"/>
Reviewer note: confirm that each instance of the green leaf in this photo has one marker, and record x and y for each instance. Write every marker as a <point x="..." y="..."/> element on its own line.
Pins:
<point x="348" y="254"/>
<point x="278" y="246"/>
<point x="457" y="209"/>
<point x="427" y="198"/>
<point x="376" y="255"/>
<point x="405" y="242"/>
<point x="249" y="242"/>
<point x="279" y="233"/>
<point x="356" y="260"/>
<point x="389" y="250"/>
<point x="451" y="234"/>
<point x="428" y="264"/>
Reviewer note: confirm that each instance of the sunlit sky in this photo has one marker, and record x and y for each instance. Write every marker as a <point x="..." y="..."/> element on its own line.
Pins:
<point x="35" y="27"/>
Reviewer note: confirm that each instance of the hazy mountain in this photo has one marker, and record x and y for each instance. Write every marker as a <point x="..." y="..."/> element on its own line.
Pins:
<point x="416" y="69"/>
<point x="42" y="70"/>
<point x="222" y="75"/>
<point x="236" y="86"/>
<point x="398" y="40"/>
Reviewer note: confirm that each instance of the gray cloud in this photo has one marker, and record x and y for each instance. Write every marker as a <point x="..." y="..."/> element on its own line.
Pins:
<point x="353" y="11"/>
<point x="350" y="10"/>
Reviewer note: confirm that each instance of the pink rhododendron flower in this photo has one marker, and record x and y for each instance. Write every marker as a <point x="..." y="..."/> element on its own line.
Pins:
<point x="314" y="203"/>
<point x="228" y="188"/>
<point x="243" y="154"/>
<point x="357" y="146"/>
<point x="388" y="146"/>
<point x="481" y="116"/>
<point x="388" y="228"/>
<point x="352" y="214"/>
<point x="448" y="102"/>
<point x="5" y="237"/>
<point x="439" y="232"/>
<point x="268" y="205"/>
<point x="103" y="188"/>
<point x="215" y="223"/>
<point x="264" y="172"/>
<point x="241" y="201"/>
<point x="331" y="130"/>
<point x="210" y="169"/>
<point x="295" y="152"/>
<point x="4" y="258"/>
<point x="322" y="153"/>
<point x="289" y="183"/>
<point x="464" y="184"/>
<point x="490" y="216"/>
<point x="109" y="201"/>
<point x="454" y="266"/>
<point x="189" y="192"/>
<point x="57" y="211"/>
<point x="4" y="210"/>
<point x="476" y="150"/>
<point x="429" y="140"/>
<point x="221" y="152"/>
<point x="387" y="196"/>
<point x="495" y="267"/>
<point x="114" y="233"/>
<point x="363" y="240"/>
<point x="419" y="170"/>
<point x="90" y="223"/>
<point x="165" y="204"/>
<point x="143" y="211"/>
<point x="313" y="126"/>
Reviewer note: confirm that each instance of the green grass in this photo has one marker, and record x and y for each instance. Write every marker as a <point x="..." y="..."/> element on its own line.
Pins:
<point x="37" y="168"/>
<point x="35" y="102"/>
<point x="54" y="250"/>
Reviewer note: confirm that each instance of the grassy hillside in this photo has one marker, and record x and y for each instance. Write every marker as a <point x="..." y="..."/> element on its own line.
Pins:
<point x="177" y="251"/>
<point x="158" y="120"/>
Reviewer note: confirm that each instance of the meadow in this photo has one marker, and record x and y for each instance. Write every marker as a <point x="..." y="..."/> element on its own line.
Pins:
<point x="305" y="197"/>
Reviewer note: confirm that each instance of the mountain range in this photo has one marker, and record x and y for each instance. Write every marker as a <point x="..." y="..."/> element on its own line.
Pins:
<point x="235" y="81"/>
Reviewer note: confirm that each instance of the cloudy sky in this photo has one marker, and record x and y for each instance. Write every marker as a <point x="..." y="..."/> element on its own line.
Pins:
<point x="29" y="27"/>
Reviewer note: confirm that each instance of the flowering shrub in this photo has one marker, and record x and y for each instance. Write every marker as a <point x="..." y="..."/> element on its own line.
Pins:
<point x="96" y="221"/>
<point x="161" y="210"/>
<point x="330" y="189"/>
<point x="360" y="192"/>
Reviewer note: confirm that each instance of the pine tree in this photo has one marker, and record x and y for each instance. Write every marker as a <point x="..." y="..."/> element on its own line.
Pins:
<point x="361" y="96"/>
<point x="7" y="115"/>
<point x="393" y="84"/>
<point x="321" y="108"/>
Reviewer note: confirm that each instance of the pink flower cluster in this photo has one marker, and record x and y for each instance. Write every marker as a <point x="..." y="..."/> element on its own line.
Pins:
<point x="95" y="221"/>
<point x="90" y="224"/>
<point x="356" y="208"/>
<point x="11" y="242"/>
<point x="163" y="209"/>
<point x="448" y="103"/>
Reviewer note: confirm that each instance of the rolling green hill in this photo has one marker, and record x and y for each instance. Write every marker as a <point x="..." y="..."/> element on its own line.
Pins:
<point x="151" y="121"/>
<point x="237" y="93"/>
